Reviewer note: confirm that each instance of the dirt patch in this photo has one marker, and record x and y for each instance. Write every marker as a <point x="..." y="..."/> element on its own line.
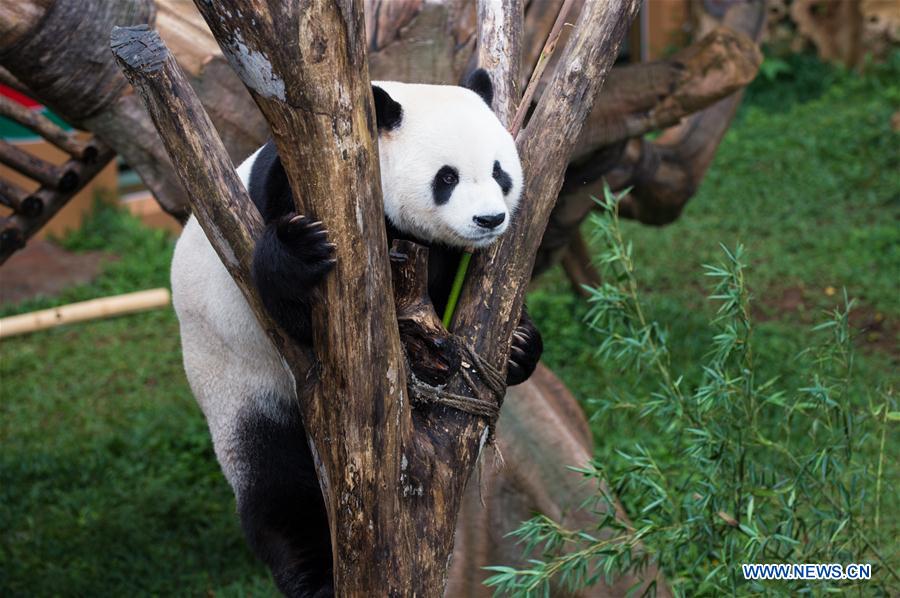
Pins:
<point x="791" y="300"/>
<point x="45" y="269"/>
<point x="876" y="331"/>
<point x="873" y="330"/>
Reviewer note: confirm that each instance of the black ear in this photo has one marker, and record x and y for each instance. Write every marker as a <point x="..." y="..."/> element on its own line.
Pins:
<point x="388" y="113"/>
<point x="480" y="82"/>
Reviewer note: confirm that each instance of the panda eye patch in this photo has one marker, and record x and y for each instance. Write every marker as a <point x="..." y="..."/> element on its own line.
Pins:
<point x="502" y="177"/>
<point x="443" y="184"/>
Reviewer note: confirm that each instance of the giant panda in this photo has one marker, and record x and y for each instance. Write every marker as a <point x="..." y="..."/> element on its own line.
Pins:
<point x="451" y="180"/>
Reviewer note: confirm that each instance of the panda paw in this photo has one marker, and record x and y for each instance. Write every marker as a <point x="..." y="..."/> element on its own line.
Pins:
<point x="527" y="346"/>
<point x="307" y="240"/>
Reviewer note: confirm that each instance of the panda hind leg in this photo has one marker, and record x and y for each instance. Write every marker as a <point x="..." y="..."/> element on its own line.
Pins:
<point x="290" y="259"/>
<point x="280" y="505"/>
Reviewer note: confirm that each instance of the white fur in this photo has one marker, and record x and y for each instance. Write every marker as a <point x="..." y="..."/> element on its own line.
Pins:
<point x="446" y="125"/>
<point x="228" y="358"/>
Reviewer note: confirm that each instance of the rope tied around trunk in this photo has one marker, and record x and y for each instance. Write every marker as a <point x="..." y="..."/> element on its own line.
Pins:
<point x="487" y="407"/>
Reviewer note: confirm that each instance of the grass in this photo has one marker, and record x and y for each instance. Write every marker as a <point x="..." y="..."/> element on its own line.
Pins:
<point x="108" y="483"/>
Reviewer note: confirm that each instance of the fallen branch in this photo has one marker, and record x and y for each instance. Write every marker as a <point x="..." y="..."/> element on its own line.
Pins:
<point x="83" y="311"/>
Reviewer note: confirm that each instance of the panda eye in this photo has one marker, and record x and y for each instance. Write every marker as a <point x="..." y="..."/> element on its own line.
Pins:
<point x="502" y="177"/>
<point x="447" y="176"/>
<point x="443" y="184"/>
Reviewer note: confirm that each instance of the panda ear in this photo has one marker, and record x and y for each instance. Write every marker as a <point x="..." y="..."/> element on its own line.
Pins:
<point x="480" y="82"/>
<point x="388" y="113"/>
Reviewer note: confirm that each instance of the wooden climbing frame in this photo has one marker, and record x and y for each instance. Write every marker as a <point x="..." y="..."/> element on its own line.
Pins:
<point x="32" y="210"/>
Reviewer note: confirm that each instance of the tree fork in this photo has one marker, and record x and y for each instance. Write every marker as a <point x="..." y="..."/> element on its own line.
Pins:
<point x="392" y="476"/>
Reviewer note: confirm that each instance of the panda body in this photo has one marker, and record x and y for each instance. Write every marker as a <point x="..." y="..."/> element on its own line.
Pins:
<point x="451" y="179"/>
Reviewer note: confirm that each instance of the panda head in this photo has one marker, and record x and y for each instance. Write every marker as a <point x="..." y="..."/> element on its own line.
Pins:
<point x="450" y="172"/>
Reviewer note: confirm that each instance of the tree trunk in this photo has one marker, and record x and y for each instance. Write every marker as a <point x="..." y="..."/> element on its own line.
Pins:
<point x="393" y="476"/>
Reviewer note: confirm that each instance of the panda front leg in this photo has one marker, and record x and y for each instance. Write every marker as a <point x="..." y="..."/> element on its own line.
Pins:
<point x="526" y="350"/>
<point x="289" y="261"/>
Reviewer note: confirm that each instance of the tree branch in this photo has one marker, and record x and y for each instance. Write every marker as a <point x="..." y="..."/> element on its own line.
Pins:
<point x="493" y="295"/>
<point x="499" y="51"/>
<point x="219" y="201"/>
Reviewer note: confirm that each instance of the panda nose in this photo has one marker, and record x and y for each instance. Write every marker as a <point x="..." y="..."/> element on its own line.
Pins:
<point x="492" y="221"/>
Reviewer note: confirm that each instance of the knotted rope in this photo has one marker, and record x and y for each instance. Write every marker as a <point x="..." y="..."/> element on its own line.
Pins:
<point x="487" y="407"/>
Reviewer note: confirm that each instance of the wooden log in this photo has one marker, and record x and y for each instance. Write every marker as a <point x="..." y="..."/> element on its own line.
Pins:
<point x="43" y="126"/>
<point x="19" y="200"/>
<point x="648" y="97"/>
<point x="664" y="174"/>
<point x="431" y="352"/>
<point x="60" y="178"/>
<point x="63" y="59"/>
<point x="53" y="201"/>
<point x="8" y="79"/>
<point x="83" y="311"/>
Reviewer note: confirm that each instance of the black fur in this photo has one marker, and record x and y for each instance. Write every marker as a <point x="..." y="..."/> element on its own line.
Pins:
<point x="280" y="504"/>
<point x="269" y="188"/>
<point x="388" y="113"/>
<point x="480" y="82"/>
<point x="292" y="255"/>
<point x="527" y="346"/>
<point x="502" y="177"/>
<point x="445" y="181"/>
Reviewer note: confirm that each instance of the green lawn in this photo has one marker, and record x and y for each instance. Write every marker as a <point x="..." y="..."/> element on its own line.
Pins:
<point x="108" y="483"/>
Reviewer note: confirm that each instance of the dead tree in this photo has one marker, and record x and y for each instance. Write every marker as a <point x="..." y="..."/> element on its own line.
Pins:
<point x="393" y="457"/>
